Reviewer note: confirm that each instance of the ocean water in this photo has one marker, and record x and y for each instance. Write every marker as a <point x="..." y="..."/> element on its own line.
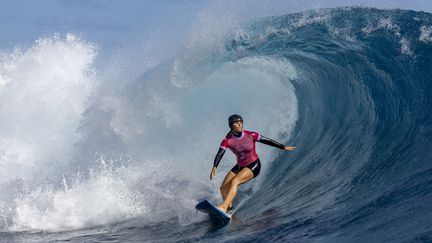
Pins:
<point x="84" y="160"/>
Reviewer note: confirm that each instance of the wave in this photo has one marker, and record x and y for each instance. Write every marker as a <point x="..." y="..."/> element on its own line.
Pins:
<point x="360" y="170"/>
<point x="348" y="86"/>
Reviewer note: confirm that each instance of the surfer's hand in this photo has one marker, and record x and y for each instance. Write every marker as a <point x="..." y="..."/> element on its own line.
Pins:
<point x="213" y="173"/>
<point x="289" y="148"/>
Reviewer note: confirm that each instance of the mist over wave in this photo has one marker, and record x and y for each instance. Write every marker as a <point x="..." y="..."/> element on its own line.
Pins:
<point x="348" y="86"/>
<point x="130" y="153"/>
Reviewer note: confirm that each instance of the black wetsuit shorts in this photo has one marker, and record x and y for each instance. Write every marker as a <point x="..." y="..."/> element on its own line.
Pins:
<point x="255" y="167"/>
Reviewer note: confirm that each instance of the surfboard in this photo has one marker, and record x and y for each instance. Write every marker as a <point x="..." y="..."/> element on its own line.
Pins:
<point x="215" y="213"/>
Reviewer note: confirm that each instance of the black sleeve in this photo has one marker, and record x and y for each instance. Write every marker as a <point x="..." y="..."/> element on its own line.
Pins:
<point x="270" y="142"/>
<point x="218" y="157"/>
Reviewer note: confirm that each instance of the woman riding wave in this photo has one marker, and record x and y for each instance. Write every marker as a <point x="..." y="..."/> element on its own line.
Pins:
<point x="242" y="144"/>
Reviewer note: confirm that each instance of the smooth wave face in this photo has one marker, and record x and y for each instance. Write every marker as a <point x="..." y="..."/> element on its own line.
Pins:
<point x="349" y="87"/>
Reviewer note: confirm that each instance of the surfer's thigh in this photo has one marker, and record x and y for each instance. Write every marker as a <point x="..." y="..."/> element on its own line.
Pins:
<point x="243" y="176"/>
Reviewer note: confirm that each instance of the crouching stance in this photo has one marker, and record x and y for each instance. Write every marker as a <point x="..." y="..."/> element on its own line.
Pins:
<point x="242" y="144"/>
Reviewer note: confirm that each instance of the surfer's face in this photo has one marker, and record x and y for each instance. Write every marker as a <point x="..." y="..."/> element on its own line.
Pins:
<point x="237" y="126"/>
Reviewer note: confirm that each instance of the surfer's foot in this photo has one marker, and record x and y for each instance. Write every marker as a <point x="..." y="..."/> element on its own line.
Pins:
<point x="230" y="207"/>
<point x="223" y="209"/>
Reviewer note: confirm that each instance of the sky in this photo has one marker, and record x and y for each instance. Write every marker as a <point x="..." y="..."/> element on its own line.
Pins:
<point x="112" y="23"/>
<point x="107" y="22"/>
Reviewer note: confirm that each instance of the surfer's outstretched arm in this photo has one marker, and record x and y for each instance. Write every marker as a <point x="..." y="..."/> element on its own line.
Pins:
<point x="216" y="162"/>
<point x="273" y="143"/>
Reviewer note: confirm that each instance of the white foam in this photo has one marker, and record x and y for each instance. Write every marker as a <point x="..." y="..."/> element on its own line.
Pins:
<point x="425" y="34"/>
<point x="318" y="16"/>
<point x="43" y="92"/>
<point x="106" y="196"/>
<point x="383" y="24"/>
<point x="405" y="46"/>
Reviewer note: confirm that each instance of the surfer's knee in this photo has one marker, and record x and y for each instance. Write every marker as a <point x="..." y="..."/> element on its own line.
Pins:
<point x="235" y="182"/>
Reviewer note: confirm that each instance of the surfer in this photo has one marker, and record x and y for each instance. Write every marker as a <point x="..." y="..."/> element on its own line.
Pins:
<point x="242" y="144"/>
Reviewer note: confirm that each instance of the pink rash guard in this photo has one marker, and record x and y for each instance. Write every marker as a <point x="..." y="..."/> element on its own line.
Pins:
<point x="243" y="147"/>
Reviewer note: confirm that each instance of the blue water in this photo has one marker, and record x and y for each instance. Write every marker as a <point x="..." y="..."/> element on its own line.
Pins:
<point x="363" y="165"/>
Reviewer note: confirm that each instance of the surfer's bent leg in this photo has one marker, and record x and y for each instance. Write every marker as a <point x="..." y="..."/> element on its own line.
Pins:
<point x="243" y="176"/>
<point x="226" y="184"/>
